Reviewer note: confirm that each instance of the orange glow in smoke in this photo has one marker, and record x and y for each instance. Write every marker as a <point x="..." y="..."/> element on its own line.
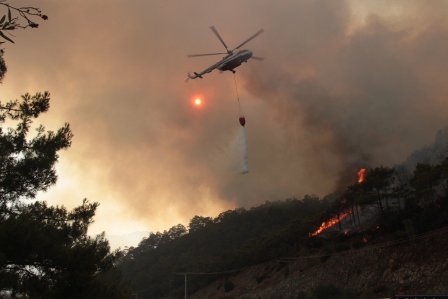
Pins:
<point x="361" y="175"/>
<point x="329" y="223"/>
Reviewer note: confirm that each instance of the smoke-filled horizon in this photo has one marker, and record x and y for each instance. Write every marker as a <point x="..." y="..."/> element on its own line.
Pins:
<point x="344" y="85"/>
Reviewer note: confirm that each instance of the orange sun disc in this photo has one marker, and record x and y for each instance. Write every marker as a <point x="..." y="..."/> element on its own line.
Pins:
<point x="197" y="101"/>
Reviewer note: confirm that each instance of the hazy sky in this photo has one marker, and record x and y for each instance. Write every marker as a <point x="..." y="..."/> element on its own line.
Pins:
<point x="344" y="84"/>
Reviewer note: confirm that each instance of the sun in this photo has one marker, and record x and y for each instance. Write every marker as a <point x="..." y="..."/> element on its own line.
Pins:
<point x="197" y="102"/>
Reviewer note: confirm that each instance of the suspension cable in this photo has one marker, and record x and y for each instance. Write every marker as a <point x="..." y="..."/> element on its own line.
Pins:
<point x="237" y="95"/>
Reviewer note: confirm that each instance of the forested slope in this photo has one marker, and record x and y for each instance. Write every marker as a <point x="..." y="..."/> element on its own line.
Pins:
<point x="387" y="202"/>
<point x="234" y="239"/>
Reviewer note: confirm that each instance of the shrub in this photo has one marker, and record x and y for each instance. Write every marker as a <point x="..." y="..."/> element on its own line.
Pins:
<point x="379" y="289"/>
<point x="358" y="243"/>
<point x="228" y="286"/>
<point x="342" y="247"/>
<point x="323" y="291"/>
<point x="325" y="254"/>
<point x="350" y="294"/>
<point x="262" y="277"/>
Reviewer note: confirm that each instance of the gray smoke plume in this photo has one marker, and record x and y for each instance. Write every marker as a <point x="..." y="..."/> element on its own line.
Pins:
<point x="344" y="85"/>
<point x="361" y="101"/>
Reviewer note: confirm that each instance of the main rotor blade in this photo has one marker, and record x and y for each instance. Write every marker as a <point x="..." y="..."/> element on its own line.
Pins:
<point x="219" y="36"/>
<point x="250" y="38"/>
<point x="257" y="58"/>
<point x="197" y="55"/>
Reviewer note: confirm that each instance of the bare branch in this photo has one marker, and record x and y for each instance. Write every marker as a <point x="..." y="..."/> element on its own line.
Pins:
<point x="24" y="19"/>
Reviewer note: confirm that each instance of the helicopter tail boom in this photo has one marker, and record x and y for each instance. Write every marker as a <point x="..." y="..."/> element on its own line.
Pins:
<point x="196" y="75"/>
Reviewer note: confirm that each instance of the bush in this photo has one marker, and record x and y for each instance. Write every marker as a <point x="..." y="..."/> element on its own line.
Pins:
<point x="391" y="222"/>
<point x="379" y="289"/>
<point x="324" y="291"/>
<point x="350" y="294"/>
<point x="342" y="247"/>
<point x="228" y="286"/>
<point x="262" y="277"/>
<point x="325" y="254"/>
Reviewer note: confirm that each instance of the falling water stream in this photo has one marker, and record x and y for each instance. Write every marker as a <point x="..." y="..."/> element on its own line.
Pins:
<point x="243" y="137"/>
<point x="243" y="142"/>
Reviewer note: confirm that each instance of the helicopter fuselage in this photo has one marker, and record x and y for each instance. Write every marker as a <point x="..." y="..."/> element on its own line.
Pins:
<point x="234" y="60"/>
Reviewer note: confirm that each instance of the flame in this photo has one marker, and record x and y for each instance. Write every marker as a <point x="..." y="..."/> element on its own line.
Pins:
<point x="329" y="223"/>
<point x="364" y="239"/>
<point x="361" y="175"/>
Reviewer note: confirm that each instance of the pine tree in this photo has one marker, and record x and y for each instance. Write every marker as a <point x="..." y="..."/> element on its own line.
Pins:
<point x="45" y="251"/>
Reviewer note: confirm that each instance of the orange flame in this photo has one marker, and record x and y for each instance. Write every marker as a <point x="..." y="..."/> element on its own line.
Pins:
<point x="329" y="223"/>
<point x="361" y="175"/>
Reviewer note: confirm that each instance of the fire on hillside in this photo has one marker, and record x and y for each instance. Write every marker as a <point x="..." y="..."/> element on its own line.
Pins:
<point x="336" y="219"/>
<point x="361" y="175"/>
<point x="329" y="223"/>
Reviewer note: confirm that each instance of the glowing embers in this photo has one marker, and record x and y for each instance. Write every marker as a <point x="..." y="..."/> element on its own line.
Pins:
<point x="329" y="223"/>
<point x="361" y="174"/>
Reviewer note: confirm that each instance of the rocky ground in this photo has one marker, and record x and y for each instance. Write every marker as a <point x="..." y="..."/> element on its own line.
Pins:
<point x="373" y="271"/>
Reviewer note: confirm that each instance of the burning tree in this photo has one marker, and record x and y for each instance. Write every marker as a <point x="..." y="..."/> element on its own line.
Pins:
<point x="377" y="186"/>
<point x="361" y="174"/>
<point x="329" y="223"/>
<point x="373" y="186"/>
<point x="344" y="206"/>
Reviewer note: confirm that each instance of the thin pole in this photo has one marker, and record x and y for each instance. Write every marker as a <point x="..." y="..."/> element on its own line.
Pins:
<point x="290" y="280"/>
<point x="185" y="274"/>
<point x="185" y="285"/>
<point x="290" y="276"/>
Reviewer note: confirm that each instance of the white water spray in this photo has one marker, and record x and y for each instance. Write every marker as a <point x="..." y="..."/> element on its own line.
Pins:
<point x="242" y="140"/>
<point x="243" y="143"/>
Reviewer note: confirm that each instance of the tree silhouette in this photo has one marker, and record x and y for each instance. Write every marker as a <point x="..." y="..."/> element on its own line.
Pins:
<point x="377" y="185"/>
<point x="18" y="17"/>
<point x="425" y="180"/>
<point x="45" y="251"/>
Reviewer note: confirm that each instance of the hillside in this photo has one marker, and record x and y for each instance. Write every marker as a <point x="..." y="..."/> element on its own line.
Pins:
<point x="353" y="243"/>
<point x="359" y="264"/>
<point x="374" y="271"/>
<point x="231" y="240"/>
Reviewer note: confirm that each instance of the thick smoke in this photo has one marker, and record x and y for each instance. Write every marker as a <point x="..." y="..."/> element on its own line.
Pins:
<point x="365" y="103"/>
<point x="345" y="84"/>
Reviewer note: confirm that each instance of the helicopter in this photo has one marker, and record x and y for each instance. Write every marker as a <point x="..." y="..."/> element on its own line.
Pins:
<point x="233" y="58"/>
